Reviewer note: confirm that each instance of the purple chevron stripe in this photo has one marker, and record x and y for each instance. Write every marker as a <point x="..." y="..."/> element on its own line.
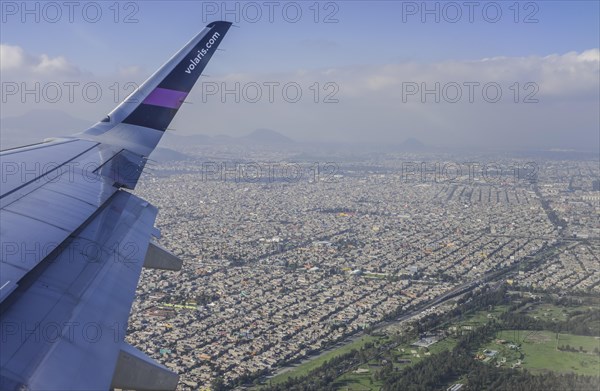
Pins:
<point x="166" y="98"/>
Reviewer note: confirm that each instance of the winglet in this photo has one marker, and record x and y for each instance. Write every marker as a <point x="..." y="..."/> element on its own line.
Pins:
<point x="158" y="257"/>
<point x="139" y="121"/>
<point x="136" y="371"/>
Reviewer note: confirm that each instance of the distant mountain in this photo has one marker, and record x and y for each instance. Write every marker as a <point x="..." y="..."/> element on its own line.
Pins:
<point x="37" y="125"/>
<point x="258" y="136"/>
<point x="161" y="154"/>
<point x="266" y="136"/>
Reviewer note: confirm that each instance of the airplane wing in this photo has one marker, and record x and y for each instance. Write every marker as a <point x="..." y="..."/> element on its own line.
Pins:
<point x="73" y="241"/>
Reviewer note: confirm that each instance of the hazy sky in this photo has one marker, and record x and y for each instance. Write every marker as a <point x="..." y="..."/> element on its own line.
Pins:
<point x="495" y="74"/>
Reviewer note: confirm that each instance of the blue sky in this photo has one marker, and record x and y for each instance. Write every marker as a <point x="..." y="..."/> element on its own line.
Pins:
<point x="365" y="33"/>
<point x="370" y="50"/>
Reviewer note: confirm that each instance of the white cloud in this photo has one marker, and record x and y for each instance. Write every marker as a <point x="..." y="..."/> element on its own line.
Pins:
<point x="370" y="107"/>
<point x="16" y="61"/>
<point x="11" y="57"/>
<point x="558" y="76"/>
<point x="590" y="55"/>
<point x="565" y="76"/>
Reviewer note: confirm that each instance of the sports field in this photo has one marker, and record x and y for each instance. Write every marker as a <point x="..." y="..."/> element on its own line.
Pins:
<point x="540" y="352"/>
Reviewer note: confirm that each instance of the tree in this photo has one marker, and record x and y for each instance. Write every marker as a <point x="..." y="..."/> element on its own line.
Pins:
<point x="218" y="384"/>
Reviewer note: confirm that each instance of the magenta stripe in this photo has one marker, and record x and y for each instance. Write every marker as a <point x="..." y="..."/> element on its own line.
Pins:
<point x="165" y="98"/>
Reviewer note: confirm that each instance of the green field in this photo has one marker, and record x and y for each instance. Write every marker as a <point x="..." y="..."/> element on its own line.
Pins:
<point x="547" y="311"/>
<point x="537" y="350"/>
<point x="445" y="344"/>
<point x="352" y="381"/>
<point x="480" y="318"/>
<point x="537" y="353"/>
<point x="308" y="366"/>
<point x="361" y="381"/>
<point x="540" y="353"/>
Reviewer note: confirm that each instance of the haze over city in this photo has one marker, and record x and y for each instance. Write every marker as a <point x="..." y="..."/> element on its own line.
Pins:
<point x="359" y="74"/>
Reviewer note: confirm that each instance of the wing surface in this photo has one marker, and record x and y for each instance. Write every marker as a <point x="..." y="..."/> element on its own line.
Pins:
<point x="73" y="241"/>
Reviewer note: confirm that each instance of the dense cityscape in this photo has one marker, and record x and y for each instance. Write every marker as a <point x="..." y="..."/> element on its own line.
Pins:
<point x="285" y="256"/>
<point x="300" y="196"/>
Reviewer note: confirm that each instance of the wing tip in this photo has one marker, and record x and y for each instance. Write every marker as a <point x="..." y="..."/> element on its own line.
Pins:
<point x="219" y="22"/>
